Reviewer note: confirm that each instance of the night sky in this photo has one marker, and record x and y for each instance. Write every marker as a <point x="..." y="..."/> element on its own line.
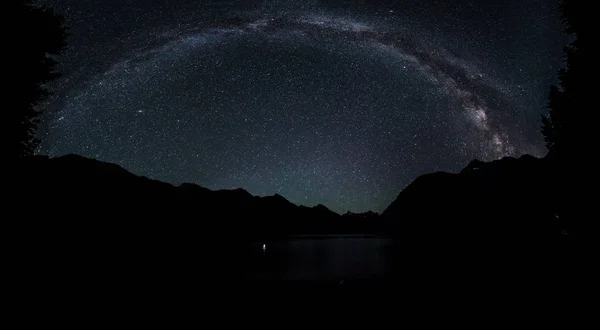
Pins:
<point x="342" y="103"/>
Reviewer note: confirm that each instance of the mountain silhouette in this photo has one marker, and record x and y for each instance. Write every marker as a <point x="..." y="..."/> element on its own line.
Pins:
<point x="510" y="190"/>
<point x="94" y="189"/>
<point x="491" y="223"/>
<point x="509" y="197"/>
<point x="490" y="226"/>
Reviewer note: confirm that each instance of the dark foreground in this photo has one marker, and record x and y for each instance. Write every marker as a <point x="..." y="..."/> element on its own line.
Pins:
<point x="90" y="241"/>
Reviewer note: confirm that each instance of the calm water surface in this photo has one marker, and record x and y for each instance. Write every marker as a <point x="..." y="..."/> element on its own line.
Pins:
<point x="322" y="258"/>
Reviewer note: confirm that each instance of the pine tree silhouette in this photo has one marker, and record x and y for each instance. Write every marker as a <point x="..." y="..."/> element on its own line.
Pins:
<point x="569" y="127"/>
<point x="38" y="37"/>
<point x="564" y="128"/>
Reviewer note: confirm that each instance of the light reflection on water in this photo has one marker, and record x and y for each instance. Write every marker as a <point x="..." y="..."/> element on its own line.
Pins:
<point x="322" y="258"/>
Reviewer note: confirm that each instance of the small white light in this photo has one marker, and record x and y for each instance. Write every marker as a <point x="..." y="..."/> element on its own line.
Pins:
<point x="264" y="247"/>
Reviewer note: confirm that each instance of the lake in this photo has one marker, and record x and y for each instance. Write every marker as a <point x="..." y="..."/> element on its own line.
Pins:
<point x="321" y="258"/>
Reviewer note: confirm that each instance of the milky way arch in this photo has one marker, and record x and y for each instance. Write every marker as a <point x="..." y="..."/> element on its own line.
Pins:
<point x="484" y="106"/>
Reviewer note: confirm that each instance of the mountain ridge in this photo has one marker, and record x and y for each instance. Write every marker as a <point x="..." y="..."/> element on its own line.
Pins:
<point x="492" y="221"/>
<point x="118" y="189"/>
<point x="467" y="194"/>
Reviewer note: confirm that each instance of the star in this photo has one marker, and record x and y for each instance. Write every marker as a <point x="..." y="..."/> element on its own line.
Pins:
<point x="323" y="105"/>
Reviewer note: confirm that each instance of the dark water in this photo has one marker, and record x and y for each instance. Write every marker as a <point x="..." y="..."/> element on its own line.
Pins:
<point x="324" y="258"/>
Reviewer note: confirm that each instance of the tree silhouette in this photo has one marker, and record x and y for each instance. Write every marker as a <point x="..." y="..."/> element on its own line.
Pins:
<point x="570" y="124"/>
<point x="564" y="128"/>
<point x="39" y="36"/>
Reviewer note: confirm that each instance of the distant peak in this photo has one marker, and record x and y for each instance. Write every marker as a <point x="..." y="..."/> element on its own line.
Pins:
<point x="279" y="196"/>
<point x="242" y="191"/>
<point x="322" y="207"/>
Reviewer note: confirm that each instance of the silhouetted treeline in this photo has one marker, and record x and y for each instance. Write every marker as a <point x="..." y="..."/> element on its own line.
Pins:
<point x="569" y="128"/>
<point x="571" y="101"/>
<point x="37" y="36"/>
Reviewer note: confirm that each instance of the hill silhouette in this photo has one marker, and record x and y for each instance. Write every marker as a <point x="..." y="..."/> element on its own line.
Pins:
<point x="98" y="231"/>
<point x="100" y="190"/>
<point x="492" y="219"/>
<point x="504" y="197"/>
<point x="500" y="207"/>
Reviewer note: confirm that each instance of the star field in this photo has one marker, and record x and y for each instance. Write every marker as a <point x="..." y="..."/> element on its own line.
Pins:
<point x="323" y="102"/>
